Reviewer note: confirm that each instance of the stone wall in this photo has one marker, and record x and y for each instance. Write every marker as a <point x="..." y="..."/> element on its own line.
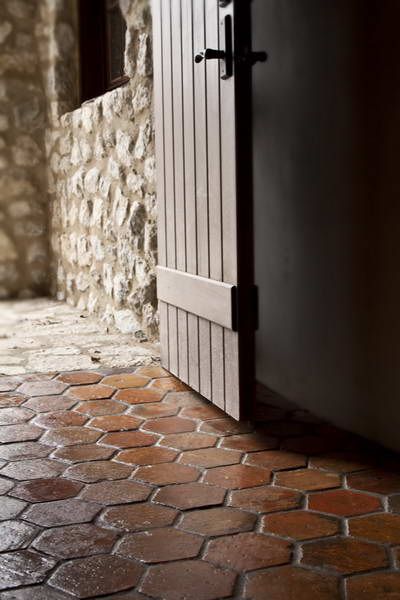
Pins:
<point x="101" y="177"/>
<point x="23" y="187"/>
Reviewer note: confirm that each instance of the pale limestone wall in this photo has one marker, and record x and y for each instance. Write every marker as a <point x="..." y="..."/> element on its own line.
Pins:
<point x="101" y="177"/>
<point x="23" y="187"/>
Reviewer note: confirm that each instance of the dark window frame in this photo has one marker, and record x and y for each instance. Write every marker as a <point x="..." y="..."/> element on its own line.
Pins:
<point x="95" y="49"/>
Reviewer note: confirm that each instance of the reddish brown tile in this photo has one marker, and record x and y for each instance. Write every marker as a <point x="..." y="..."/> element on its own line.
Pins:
<point x="83" y="453"/>
<point x="300" y="525"/>
<point x="189" y="441"/>
<point x="116" y="492"/>
<point x="115" y="423"/>
<point x="169" y="384"/>
<point x="203" y="413"/>
<point x="310" y="444"/>
<point x="184" y="399"/>
<point x="36" y="468"/>
<point x="37" y="592"/>
<point x="99" y="408"/>
<point x="80" y="378"/>
<point x="160" y="545"/>
<point x="190" y="495"/>
<point x="146" y="456"/>
<point x="10" y="508"/>
<point x="19" y="433"/>
<point x="276" y="460"/>
<point x="376" y="481"/>
<point x="23" y="567"/>
<point x="383" y="528"/>
<point x="153" y="372"/>
<point x="169" y="425"/>
<point x="42" y="388"/>
<point x="248" y="551"/>
<point x="7" y="400"/>
<point x="308" y="479"/>
<point x="167" y="473"/>
<point x="129" y="439"/>
<point x="249" y="442"/>
<point x="70" y="436"/>
<point x="96" y="471"/>
<point x="265" y="499"/>
<point x="61" y="512"/>
<point x="237" y="476"/>
<point x="210" y="457"/>
<point x="41" y="490"/>
<point x="344" y="555"/>
<point x="226" y="426"/>
<point x="23" y="450"/>
<point x="72" y="541"/>
<point x="15" y="535"/>
<point x="374" y="586"/>
<point x="139" y="517"/>
<point x="50" y="403"/>
<point x="178" y="580"/>
<point x="53" y="420"/>
<point x="394" y="502"/>
<point x="9" y="384"/>
<point x="292" y="583"/>
<point x="92" y="392"/>
<point x="342" y="462"/>
<point x="151" y="411"/>
<point x="140" y="396"/>
<point x="344" y="503"/>
<point x="14" y="415"/>
<point x="96" y="575"/>
<point x="217" y="521"/>
<point x="125" y="380"/>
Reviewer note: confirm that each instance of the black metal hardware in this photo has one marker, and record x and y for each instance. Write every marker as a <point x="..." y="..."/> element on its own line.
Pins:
<point x="224" y="3"/>
<point x="209" y="54"/>
<point x="255" y="57"/>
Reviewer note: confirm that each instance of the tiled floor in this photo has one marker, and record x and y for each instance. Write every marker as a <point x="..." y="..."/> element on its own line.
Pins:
<point x="128" y="486"/>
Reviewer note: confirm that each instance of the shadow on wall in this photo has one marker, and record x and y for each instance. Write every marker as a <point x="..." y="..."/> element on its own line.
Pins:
<point x="327" y="215"/>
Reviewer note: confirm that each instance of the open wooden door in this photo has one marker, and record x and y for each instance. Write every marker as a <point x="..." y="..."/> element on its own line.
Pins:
<point x="204" y="174"/>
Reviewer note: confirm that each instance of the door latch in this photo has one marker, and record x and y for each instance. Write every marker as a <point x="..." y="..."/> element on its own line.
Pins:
<point x="226" y="54"/>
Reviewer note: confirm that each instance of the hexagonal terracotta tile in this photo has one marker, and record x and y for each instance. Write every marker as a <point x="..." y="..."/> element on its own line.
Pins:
<point x="342" y="462"/>
<point x="292" y="583"/>
<point x="190" y="495"/>
<point x="73" y="541"/>
<point x="126" y="380"/>
<point x="177" y="580"/>
<point x="374" y="586"/>
<point x="83" y="453"/>
<point x="41" y="490"/>
<point x="99" y="408"/>
<point x="70" y="436"/>
<point x="10" y="508"/>
<point x="92" y="392"/>
<point x="115" y="423"/>
<point x="36" y="468"/>
<point x="80" y="377"/>
<point x="265" y="499"/>
<point x="135" y="396"/>
<point x="308" y="479"/>
<point x="160" y="545"/>
<point x="146" y="456"/>
<point x="217" y="521"/>
<point x="383" y="528"/>
<point x="151" y="411"/>
<point x="237" y="476"/>
<point x="96" y="471"/>
<point x="202" y="413"/>
<point x="167" y="473"/>
<point x="189" y="441"/>
<point x="96" y="575"/>
<point x="344" y="555"/>
<point x="23" y="451"/>
<point x="116" y="492"/>
<point x="210" y="457"/>
<point x="15" y="535"/>
<point x="53" y="420"/>
<point x="14" y="415"/>
<point x="5" y="485"/>
<point x="50" y="403"/>
<point x="19" y="433"/>
<point x="129" y="439"/>
<point x="169" y="425"/>
<point x="249" y="442"/>
<point x="226" y="426"/>
<point x="7" y="400"/>
<point x="169" y="384"/>
<point x="154" y="372"/>
<point x="23" y="567"/>
<point x="375" y="480"/>
<point x="36" y="592"/>
<point x="276" y="460"/>
<point x="42" y="388"/>
<point x="9" y="384"/>
<point x="139" y="517"/>
<point x="300" y="525"/>
<point x="61" y="512"/>
<point x="344" y="503"/>
<point x="248" y="551"/>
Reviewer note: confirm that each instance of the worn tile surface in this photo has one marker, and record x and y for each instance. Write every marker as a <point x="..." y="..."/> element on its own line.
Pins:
<point x="128" y="486"/>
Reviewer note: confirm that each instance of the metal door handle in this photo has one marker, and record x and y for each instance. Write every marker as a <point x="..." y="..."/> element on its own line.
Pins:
<point x="209" y="54"/>
<point x="225" y="55"/>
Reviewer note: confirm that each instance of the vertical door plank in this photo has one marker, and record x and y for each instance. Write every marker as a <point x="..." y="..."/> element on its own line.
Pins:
<point x="193" y="349"/>
<point x="232" y="406"/>
<point x="205" y="357"/>
<point x="201" y="141"/>
<point x="218" y="365"/>
<point x="183" y="368"/>
<point x="164" y="342"/>
<point x="159" y="125"/>
<point x="173" y="339"/>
